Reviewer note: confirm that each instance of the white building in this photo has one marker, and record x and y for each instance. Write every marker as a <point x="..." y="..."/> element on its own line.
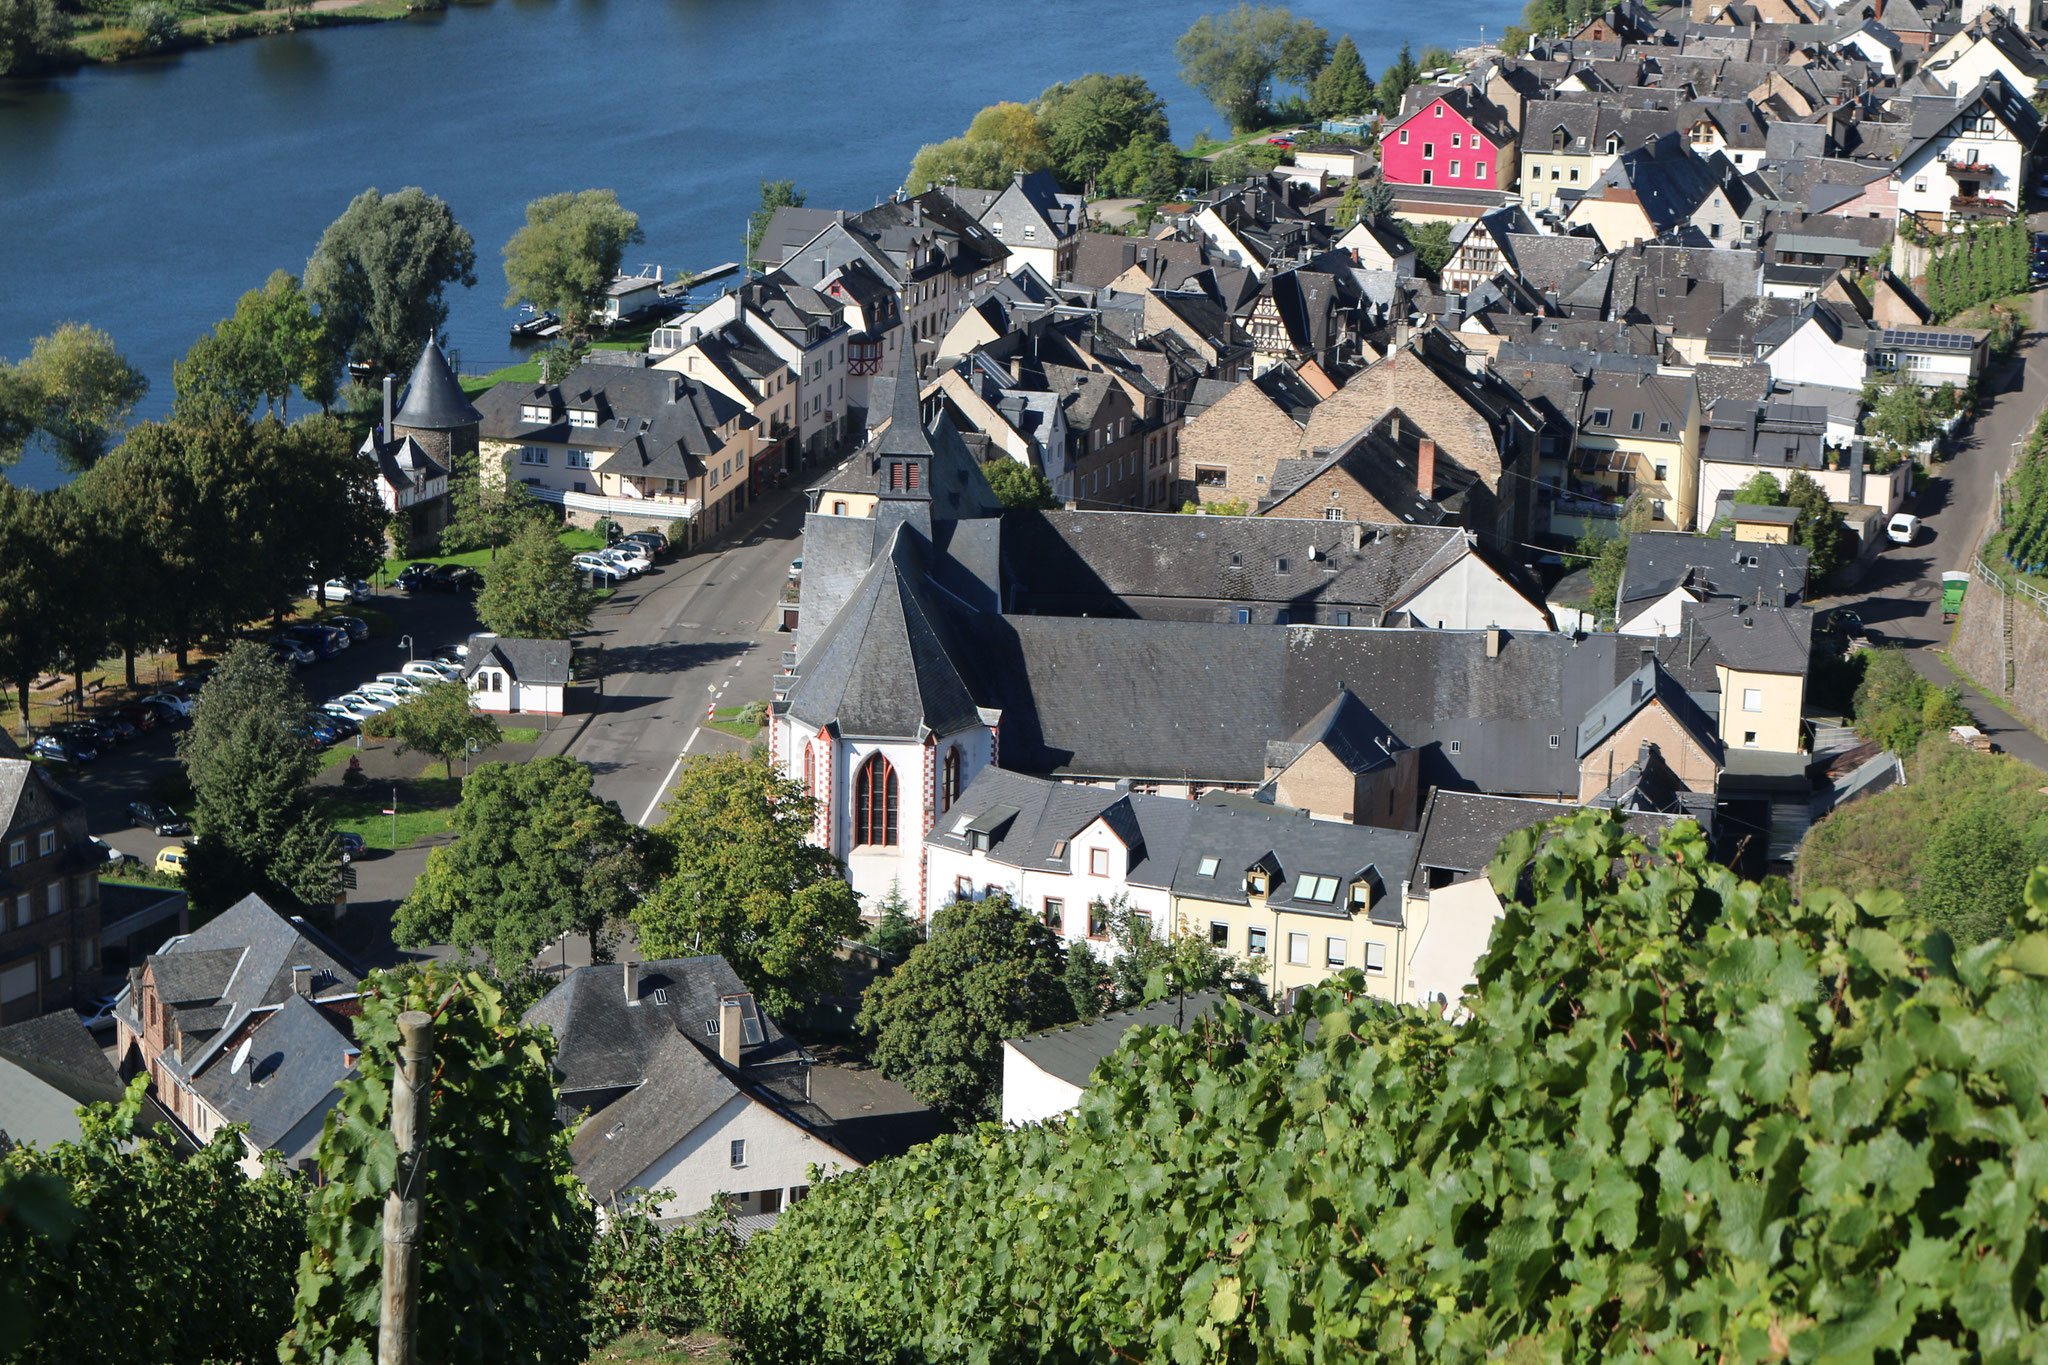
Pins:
<point x="691" y="1090"/>
<point x="1044" y="1073"/>
<point x="517" y="677"/>
<point x="1967" y="155"/>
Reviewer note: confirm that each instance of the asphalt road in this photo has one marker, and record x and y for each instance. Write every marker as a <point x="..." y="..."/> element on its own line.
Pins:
<point x="1900" y="594"/>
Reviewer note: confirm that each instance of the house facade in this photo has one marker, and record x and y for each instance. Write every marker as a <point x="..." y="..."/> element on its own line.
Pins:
<point x="518" y="677"/>
<point x="49" y="896"/>
<point x="1968" y="157"/>
<point x="1454" y="138"/>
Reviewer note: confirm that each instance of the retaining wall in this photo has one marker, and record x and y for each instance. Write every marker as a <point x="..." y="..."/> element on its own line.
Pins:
<point x="2015" y="673"/>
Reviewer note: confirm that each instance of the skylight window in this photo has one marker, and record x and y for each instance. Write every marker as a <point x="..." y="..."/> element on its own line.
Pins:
<point x="966" y="819"/>
<point x="1322" y="890"/>
<point x="1601" y="416"/>
<point x="1206" y="868"/>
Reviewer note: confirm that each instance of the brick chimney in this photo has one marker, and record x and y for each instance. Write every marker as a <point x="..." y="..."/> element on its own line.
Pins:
<point x="1425" y="468"/>
<point x="631" y="975"/>
<point x="730" y="1025"/>
<point x="302" y="981"/>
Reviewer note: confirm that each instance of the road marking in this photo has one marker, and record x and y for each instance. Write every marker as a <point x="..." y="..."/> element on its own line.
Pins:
<point x="662" y="790"/>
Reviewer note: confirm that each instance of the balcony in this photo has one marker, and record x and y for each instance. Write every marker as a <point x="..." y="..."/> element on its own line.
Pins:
<point x="1971" y="170"/>
<point x="671" y="508"/>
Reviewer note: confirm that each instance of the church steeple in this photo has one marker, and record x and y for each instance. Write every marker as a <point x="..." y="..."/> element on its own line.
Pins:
<point x="903" y="453"/>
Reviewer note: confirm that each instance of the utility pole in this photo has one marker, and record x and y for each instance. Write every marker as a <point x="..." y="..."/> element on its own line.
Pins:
<point x="401" y="1287"/>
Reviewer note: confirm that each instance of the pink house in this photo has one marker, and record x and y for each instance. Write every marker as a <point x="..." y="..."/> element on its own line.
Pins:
<point x="1454" y="137"/>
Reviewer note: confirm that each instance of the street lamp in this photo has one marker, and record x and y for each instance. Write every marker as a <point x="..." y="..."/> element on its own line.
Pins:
<point x="547" y="716"/>
<point x="406" y="640"/>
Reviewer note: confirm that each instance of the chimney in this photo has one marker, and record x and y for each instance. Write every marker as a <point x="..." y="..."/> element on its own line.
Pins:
<point x="1856" y="473"/>
<point x="302" y="981"/>
<point x="631" y="974"/>
<point x="387" y="407"/>
<point x="1425" y="468"/>
<point x="1357" y="536"/>
<point x="730" y="1016"/>
<point x="1493" y="642"/>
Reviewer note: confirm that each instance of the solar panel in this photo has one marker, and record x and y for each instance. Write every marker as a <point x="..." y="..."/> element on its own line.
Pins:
<point x="1928" y="341"/>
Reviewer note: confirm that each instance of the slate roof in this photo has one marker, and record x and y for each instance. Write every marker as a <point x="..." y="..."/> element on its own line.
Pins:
<point x="602" y="1042"/>
<point x="402" y="463"/>
<point x="1774" y="436"/>
<point x="1355" y="737"/>
<point x="679" y="1089"/>
<point x="651" y="423"/>
<point x="434" y="400"/>
<point x="1660" y="561"/>
<point x="56" y="1049"/>
<point x="1071" y="1052"/>
<point x="1030" y="823"/>
<point x="1381" y="469"/>
<point x="297" y="1056"/>
<point x="1932" y="117"/>
<point x="889" y="662"/>
<point x="790" y="228"/>
<point x="1647" y="684"/>
<point x="1292" y="846"/>
<point x="526" y="660"/>
<point x="29" y="796"/>
<point x="1759" y="639"/>
<point x="1461" y="831"/>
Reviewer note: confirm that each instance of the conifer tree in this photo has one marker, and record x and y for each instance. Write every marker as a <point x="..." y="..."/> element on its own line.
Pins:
<point x="1343" y="88"/>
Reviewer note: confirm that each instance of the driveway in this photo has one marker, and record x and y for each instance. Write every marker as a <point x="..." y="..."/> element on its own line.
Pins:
<point x="1900" y="594"/>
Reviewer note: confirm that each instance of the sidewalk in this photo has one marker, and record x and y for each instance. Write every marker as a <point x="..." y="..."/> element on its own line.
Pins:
<point x="1994" y="720"/>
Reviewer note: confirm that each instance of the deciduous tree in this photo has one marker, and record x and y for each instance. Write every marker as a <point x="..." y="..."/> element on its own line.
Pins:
<point x="567" y="255"/>
<point x="1020" y="485"/>
<point x="531" y="592"/>
<point x="1234" y="58"/>
<point x="80" y="391"/>
<point x="740" y="877"/>
<point x="379" y="272"/>
<point x="33" y="33"/>
<point x="1146" y="168"/>
<point x="775" y="194"/>
<point x="442" y="723"/>
<point x="536" y="854"/>
<point x="989" y="971"/>
<point x="272" y="344"/>
<point x="1087" y="121"/>
<point x="1973" y="873"/>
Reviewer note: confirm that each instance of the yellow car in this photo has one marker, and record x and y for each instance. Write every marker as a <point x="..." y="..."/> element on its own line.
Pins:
<point x="172" y="860"/>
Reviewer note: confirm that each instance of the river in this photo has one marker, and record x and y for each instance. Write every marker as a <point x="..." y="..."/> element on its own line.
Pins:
<point x="145" y="198"/>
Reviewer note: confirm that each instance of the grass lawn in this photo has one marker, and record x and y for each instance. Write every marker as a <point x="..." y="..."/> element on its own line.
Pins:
<point x="727" y="718"/>
<point x="698" y="1348"/>
<point x="426" y="806"/>
<point x="519" y="734"/>
<point x="577" y="541"/>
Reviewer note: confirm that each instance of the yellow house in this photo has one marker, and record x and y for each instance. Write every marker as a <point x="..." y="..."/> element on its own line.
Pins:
<point x="1640" y="433"/>
<point x="1763" y="657"/>
<point x="1297" y="899"/>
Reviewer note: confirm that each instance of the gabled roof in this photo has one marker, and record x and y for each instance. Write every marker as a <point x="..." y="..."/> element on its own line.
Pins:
<point x="888" y="665"/>
<point x="1932" y="117"/>
<point x="297" y="1057"/>
<point x="1071" y="1052"/>
<point x="1355" y="737"/>
<point x="679" y="1087"/>
<point x="603" y="1041"/>
<point x="402" y="463"/>
<point x="1646" y="685"/>
<point x="1756" y="639"/>
<point x="434" y="400"/>
<point x="29" y="796"/>
<point x="1661" y="561"/>
<point x="537" y="663"/>
<point x="1291" y="846"/>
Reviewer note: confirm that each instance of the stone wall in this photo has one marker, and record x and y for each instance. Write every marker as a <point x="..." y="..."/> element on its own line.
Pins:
<point x="1979" y="649"/>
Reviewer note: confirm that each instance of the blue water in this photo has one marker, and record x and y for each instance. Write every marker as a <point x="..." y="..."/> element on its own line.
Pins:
<point x="145" y="198"/>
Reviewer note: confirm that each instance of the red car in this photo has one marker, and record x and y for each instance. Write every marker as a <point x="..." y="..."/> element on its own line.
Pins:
<point x="142" y="717"/>
<point x="1279" y="142"/>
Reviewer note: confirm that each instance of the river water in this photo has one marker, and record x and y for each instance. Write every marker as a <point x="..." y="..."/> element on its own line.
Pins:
<point x="145" y="198"/>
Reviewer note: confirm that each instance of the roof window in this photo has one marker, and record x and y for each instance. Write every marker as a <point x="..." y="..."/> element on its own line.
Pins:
<point x="1322" y="890"/>
<point x="1601" y="416"/>
<point x="1206" y="868"/>
<point x="1635" y="421"/>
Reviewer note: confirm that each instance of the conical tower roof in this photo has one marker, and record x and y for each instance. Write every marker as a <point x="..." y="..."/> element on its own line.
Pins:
<point x="433" y="398"/>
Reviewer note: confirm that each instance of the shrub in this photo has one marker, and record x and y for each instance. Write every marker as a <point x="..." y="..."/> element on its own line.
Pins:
<point x="158" y="24"/>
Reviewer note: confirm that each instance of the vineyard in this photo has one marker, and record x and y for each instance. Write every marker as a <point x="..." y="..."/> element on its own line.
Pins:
<point x="1988" y="262"/>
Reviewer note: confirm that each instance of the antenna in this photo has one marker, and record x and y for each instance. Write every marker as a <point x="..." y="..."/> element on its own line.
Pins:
<point x="241" y="1057"/>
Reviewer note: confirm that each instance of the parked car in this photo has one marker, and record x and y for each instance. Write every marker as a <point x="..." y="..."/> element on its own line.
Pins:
<point x="343" y="725"/>
<point x="143" y="718"/>
<point x="58" y="749"/>
<point x="182" y="705"/>
<point x="339" y="589"/>
<point x="453" y="654"/>
<point x="414" y="576"/>
<point x="171" y="861"/>
<point x="324" y="641"/>
<point x="455" y="578"/>
<point x="624" y="564"/>
<point x="403" y="681"/>
<point x="355" y="712"/>
<point x="323" y="730"/>
<point x="352" y="846"/>
<point x="289" y="648"/>
<point x="101" y="734"/>
<point x="158" y="819"/>
<point x="1902" y="528"/>
<point x="796" y="568"/>
<point x="355" y="626"/>
<point x="288" y="655"/>
<point x="389" y="697"/>
<point x="425" y="671"/>
<point x="168" y="716"/>
<point x="655" y="541"/>
<point x="105" y="851"/>
<point x="119" y="728"/>
<point x="632" y="554"/>
<point x="357" y="705"/>
<point x="1280" y="140"/>
<point x="591" y="561"/>
<point x="99" y="1013"/>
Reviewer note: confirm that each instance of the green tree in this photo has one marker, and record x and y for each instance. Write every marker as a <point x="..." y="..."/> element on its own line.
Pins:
<point x="894" y="932"/>
<point x="29" y="595"/>
<point x="76" y="390"/>
<point x="1759" y="1134"/>
<point x="1018" y="484"/>
<point x="1234" y="58"/>
<point x="442" y="723"/>
<point x="990" y="971"/>
<point x="775" y="194"/>
<point x="536" y="854"/>
<point x="1349" y="205"/>
<point x="1087" y="121"/>
<point x="33" y="33"/>
<point x="739" y="877"/>
<point x="1090" y="987"/>
<point x="488" y="516"/>
<point x="1013" y="130"/>
<point x="1146" y="963"/>
<point x="505" y="1228"/>
<point x="379" y="273"/>
<point x="327" y="494"/>
<point x="956" y="161"/>
<point x="1145" y="169"/>
<point x="567" y="255"/>
<point x="1762" y="490"/>
<point x="1900" y="411"/>
<point x="532" y="593"/>
<point x="1432" y="243"/>
<point x="1376" y="201"/>
<point x="180" y="1259"/>
<point x="1819" y="528"/>
<point x="1436" y="58"/>
<point x="1395" y="80"/>
<point x="1344" y="88"/>
<point x="272" y="344"/>
<point x="128" y="588"/>
<point x="1973" y="873"/>
<point x="257" y="828"/>
<point x="75" y="552"/>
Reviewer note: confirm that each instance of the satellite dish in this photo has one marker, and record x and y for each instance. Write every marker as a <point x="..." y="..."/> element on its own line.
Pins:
<point x="241" y="1056"/>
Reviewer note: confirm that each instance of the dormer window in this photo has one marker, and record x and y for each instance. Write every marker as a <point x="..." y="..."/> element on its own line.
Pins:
<point x="1256" y="881"/>
<point x="535" y="412"/>
<point x="1613" y="146"/>
<point x="582" y="417"/>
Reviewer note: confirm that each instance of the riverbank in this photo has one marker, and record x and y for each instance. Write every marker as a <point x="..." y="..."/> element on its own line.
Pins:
<point x="226" y="22"/>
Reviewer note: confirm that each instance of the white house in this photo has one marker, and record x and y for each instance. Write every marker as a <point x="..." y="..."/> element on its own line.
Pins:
<point x="1967" y="156"/>
<point x="517" y="677"/>
<point x="1044" y="1073"/>
<point x="1980" y="50"/>
<point x="1821" y="344"/>
<point x="689" y="1088"/>
<point x="1375" y="246"/>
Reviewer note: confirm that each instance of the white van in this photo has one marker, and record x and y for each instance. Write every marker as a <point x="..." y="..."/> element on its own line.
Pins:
<point x="1903" y="528"/>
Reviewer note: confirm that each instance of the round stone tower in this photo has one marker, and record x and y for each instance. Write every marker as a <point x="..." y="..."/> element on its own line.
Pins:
<point x="435" y="413"/>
